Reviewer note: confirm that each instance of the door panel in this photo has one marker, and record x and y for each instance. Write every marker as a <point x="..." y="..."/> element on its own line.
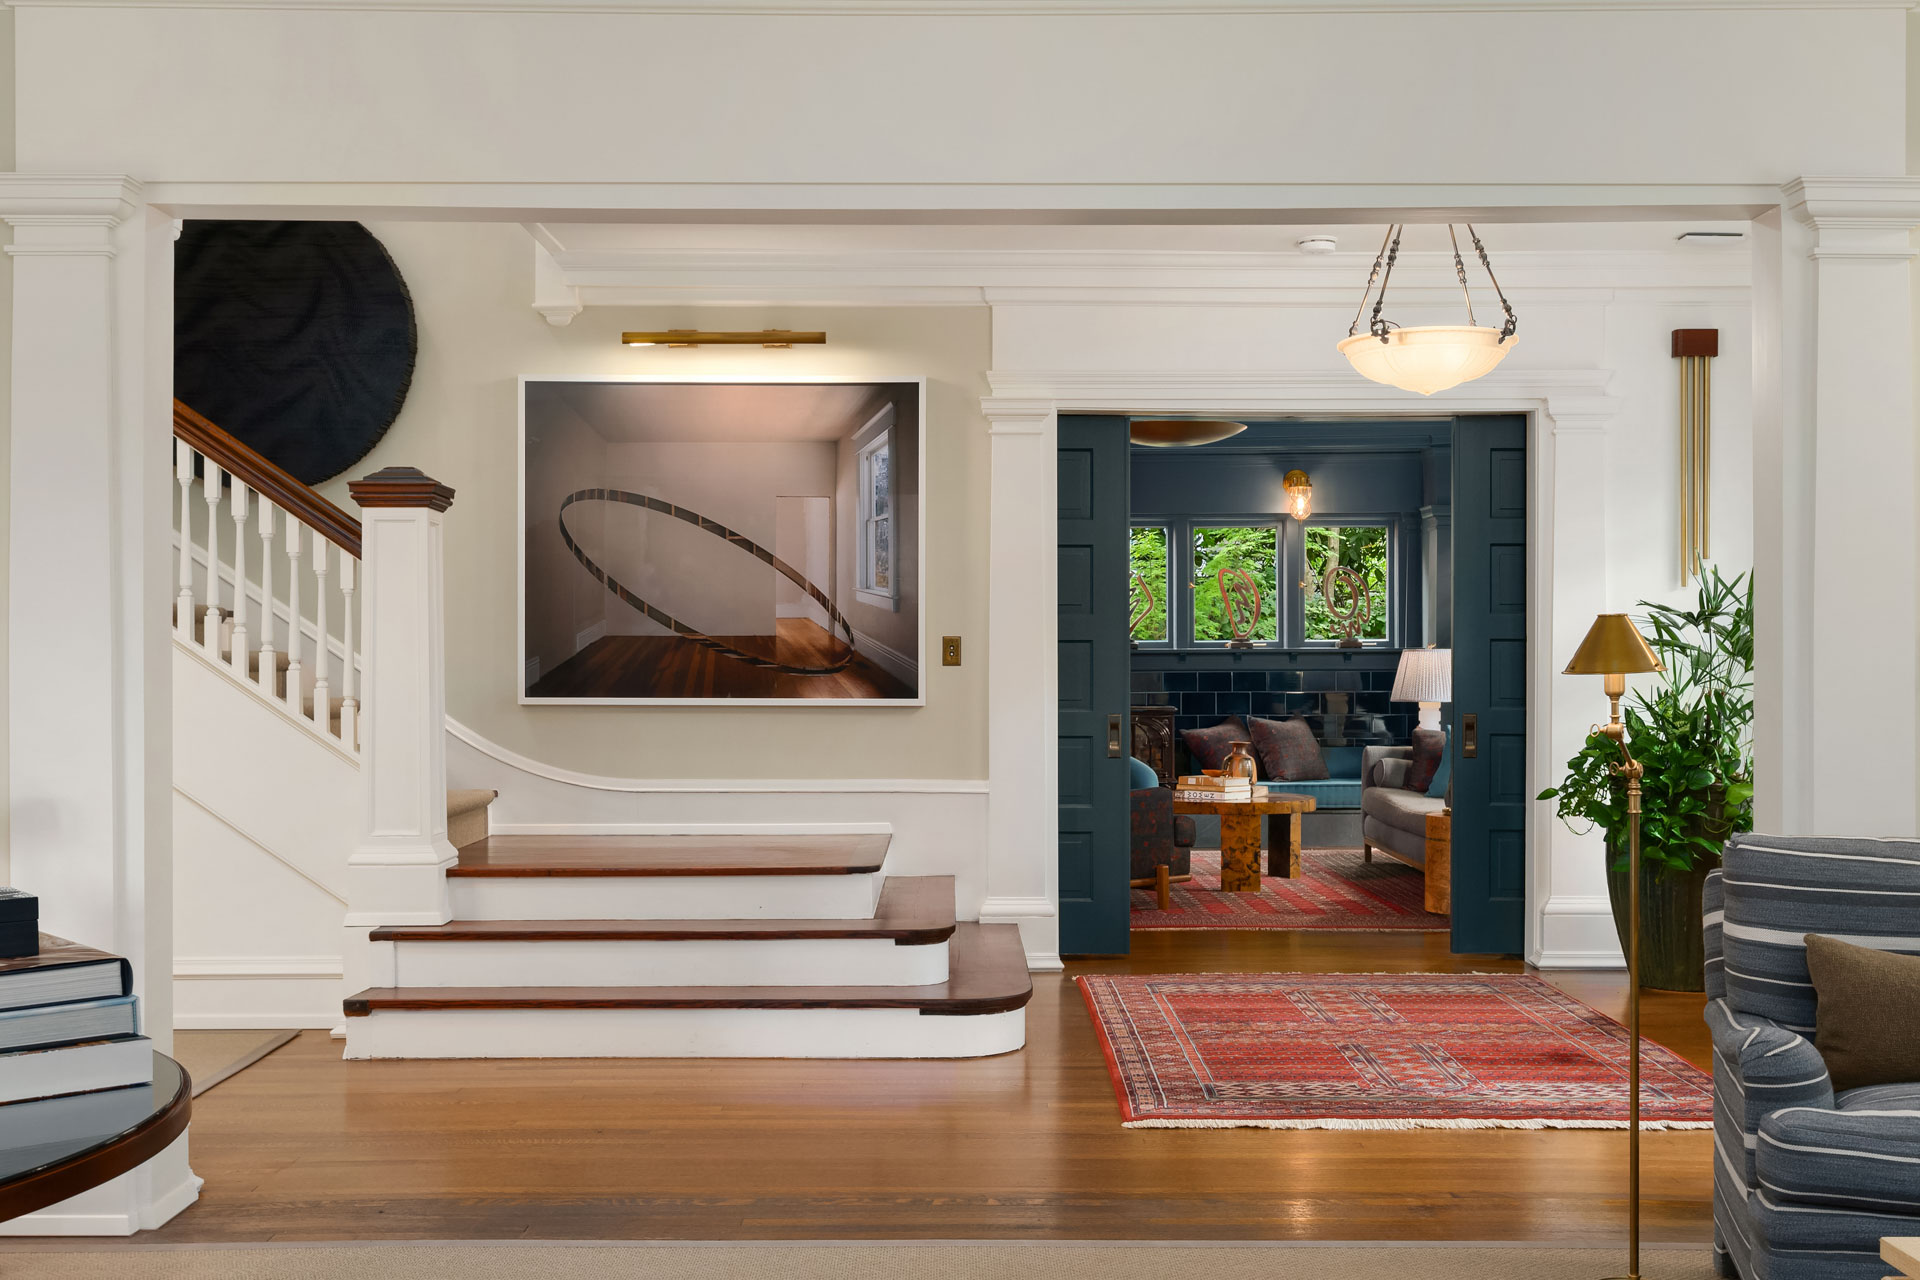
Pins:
<point x="1490" y="683"/>
<point x="1094" y="845"/>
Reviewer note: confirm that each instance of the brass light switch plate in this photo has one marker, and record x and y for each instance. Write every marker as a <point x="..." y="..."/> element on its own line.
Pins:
<point x="949" y="651"/>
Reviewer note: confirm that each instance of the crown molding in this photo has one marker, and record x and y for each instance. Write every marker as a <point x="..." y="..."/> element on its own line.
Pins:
<point x="1579" y="397"/>
<point x="67" y="199"/>
<point x="1864" y="219"/>
<point x="567" y="280"/>
<point x="995" y="8"/>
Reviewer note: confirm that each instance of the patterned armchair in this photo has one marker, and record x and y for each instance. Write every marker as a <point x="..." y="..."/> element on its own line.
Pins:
<point x="1806" y="1181"/>
<point x="1162" y="839"/>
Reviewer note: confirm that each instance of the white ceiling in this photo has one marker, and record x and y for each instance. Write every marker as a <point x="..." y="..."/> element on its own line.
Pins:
<point x="747" y="413"/>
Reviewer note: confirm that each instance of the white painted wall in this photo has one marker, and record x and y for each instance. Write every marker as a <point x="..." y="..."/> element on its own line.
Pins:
<point x="471" y="287"/>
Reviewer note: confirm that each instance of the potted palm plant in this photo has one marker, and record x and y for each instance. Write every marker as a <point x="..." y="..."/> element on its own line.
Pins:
<point x="1694" y="733"/>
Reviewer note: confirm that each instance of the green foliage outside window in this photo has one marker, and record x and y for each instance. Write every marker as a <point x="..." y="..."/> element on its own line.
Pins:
<point x="1254" y="549"/>
<point x="1147" y="547"/>
<point x="1362" y="548"/>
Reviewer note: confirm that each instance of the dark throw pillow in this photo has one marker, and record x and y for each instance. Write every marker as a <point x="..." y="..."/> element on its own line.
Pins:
<point x="1209" y="747"/>
<point x="1287" y="750"/>
<point x="1429" y="748"/>
<point x="1868" y="1026"/>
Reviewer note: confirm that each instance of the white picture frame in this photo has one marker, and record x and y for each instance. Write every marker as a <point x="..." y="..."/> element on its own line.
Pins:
<point x="677" y="443"/>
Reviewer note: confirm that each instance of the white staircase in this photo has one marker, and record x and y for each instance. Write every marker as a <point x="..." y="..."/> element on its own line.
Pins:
<point x="470" y="945"/>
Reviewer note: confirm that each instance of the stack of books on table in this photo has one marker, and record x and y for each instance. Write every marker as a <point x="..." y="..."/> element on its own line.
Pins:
<point x="1207" y="788"/>
<point x="68" y="1024"/>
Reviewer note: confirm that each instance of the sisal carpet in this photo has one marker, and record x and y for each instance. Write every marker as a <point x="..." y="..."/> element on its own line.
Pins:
<point x="933" y="1261"/>
<point x="1336" y="890"/>
<point x="213" y="1056"/>
<point x="1376" y="1051"/>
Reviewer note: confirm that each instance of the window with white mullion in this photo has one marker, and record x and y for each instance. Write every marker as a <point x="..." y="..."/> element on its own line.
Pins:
<point x="878" y="581"/>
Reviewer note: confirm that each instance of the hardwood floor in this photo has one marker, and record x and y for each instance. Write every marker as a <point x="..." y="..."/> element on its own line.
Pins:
<point x="1028" y="1145"/>
<point x="674" y="667"/>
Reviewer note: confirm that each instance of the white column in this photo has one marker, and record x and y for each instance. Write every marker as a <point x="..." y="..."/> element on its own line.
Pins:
<point x="91" y="580"/>
<point x="1023" y="860"/>
<point x="1570" y="920"/>
<point x="396" y="875"/>
<point x="1840" y="472"/>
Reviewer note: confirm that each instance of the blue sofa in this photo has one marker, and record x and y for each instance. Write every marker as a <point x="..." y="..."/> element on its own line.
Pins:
<point x="1340" y="789"/>
<point x="1805" y="1181"/>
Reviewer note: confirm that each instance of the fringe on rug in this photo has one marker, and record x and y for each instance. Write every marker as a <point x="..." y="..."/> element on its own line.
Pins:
<point x="1338" y="1123"/>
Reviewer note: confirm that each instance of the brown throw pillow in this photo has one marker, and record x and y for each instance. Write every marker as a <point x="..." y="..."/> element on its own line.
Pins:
<point x="1869" y="1020"/>
<point x="1288" y="750"/>
<point x="1429" y="745"/>
<point x="1209" y="747"/>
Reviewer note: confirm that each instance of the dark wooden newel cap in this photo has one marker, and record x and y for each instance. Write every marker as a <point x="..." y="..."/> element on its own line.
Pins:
<point x="401" y="487"/>
<point x="1696" y="342"/>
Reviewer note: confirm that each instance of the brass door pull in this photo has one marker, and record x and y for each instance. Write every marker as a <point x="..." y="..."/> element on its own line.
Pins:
<point x="1469" y="736"/>
<point x="1113" y="735"/>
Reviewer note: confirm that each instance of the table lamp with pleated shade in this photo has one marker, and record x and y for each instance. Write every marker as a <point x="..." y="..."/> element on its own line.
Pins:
<point x="1425" y="677"/>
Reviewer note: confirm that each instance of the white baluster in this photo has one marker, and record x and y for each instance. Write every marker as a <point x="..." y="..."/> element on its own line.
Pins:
<point x="267" y="668"/>
<point x="322" y="687"/>
<point x="293" y="612"/>
<point x="349" y="682"/>
<point x="183" y="456"/>
<point x="211" y="489"/>
<point x="238" y="509"/>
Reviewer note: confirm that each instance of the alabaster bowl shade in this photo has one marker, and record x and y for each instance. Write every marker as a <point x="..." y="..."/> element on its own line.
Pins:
<point x="1425" y="675"/>
<point x="1164" y="433"/>
<point x="1427" y="358"/>
<point x="1614" y="646"/>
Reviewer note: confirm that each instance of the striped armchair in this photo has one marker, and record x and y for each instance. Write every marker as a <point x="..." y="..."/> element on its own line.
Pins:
<point x="1805" y="1181"/>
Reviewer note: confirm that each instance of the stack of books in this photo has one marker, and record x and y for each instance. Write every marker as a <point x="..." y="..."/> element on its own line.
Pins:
<point x="68" y="1024"/>
<point x="1207" y="788"/>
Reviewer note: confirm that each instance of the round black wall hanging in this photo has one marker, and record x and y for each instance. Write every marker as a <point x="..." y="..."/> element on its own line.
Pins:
<point x="295" y="337"/>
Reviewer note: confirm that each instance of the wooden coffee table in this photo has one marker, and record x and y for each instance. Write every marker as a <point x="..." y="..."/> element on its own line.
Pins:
<point x="1903" y="1252"/>
<point x="1240" y="835"/>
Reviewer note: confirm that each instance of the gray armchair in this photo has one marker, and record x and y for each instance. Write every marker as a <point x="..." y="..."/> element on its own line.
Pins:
<point x="1408" y="826"/>
<point x="1805" y="1181"/>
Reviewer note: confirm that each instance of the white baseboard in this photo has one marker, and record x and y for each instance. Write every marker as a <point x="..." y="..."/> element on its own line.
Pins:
<point x="1576" y="932"/>
<point x="587" y="635"/>
<point x="1039" y="928"/>
<point x="243" y="993"/>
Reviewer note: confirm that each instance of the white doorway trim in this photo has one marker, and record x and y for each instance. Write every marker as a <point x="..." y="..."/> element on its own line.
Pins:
<point x="1569" y="923"/>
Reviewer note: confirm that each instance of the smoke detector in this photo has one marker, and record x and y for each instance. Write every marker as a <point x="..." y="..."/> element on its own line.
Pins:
<point x="1317" y="245"/>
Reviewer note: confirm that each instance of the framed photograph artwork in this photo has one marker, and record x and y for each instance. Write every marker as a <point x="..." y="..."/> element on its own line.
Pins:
<point x="739" y="541"/>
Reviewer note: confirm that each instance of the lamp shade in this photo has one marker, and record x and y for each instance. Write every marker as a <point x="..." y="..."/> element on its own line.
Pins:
<point x="1164" y="433"/>
<point x="1425" y="675"/>
<point x="1427" y="358"/>
<point x="1613" y="647"/>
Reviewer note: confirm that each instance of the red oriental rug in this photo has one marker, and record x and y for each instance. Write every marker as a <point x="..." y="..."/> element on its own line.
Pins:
<point x="1336" y="890"/>
<point x="1377" y="1051"/>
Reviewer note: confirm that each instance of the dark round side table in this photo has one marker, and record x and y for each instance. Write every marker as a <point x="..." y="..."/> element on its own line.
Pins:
<point x="59" y="1147"/>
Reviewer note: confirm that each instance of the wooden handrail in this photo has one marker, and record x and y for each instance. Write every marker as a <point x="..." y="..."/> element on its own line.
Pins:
<point x="268" y="480"/>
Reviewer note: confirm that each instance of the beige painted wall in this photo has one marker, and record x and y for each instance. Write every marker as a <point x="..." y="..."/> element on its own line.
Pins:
<point x="472" y="290"/>
<point x="6" y="407"/>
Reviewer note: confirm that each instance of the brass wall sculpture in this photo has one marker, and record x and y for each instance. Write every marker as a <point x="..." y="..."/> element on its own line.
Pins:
<point x="1695" y="349"/>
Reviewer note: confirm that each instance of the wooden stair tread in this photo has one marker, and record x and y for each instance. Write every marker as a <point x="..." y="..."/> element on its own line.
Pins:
<point x="743" y="855"/>
<point x="913" y="911"/>
<point x="986" y="963"/>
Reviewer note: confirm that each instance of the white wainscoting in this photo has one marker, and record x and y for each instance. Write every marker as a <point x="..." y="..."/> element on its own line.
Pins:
<point x="939" y="825"/>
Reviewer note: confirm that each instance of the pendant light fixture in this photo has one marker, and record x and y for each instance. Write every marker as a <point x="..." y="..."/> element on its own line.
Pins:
<point x="1166" y="433"/>
<point x="1433" y="357"/>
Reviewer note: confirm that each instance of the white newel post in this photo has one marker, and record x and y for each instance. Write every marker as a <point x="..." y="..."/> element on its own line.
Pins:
<point x="396" y="875"/>
<point x="91" y="587"/>
<point x="1022" y="693"/>
<point x="1840" y="472"/>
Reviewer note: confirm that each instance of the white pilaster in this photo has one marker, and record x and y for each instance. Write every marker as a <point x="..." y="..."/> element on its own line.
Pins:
<point x="1567" y="879"/>
<point x="1023" y="868"/>
<point x="1846" y="487"/>
<point x="396" y="874"/>
<point x="89" y="710"/>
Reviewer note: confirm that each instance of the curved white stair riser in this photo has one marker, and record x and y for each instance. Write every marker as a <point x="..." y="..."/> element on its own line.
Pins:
<point x="706" y="962"/>
<point x="665" y="897"/>
<point x="682" y="1033"/>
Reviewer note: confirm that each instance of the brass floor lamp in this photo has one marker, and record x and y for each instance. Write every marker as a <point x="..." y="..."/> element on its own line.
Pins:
<point x="1614" y="648"/>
